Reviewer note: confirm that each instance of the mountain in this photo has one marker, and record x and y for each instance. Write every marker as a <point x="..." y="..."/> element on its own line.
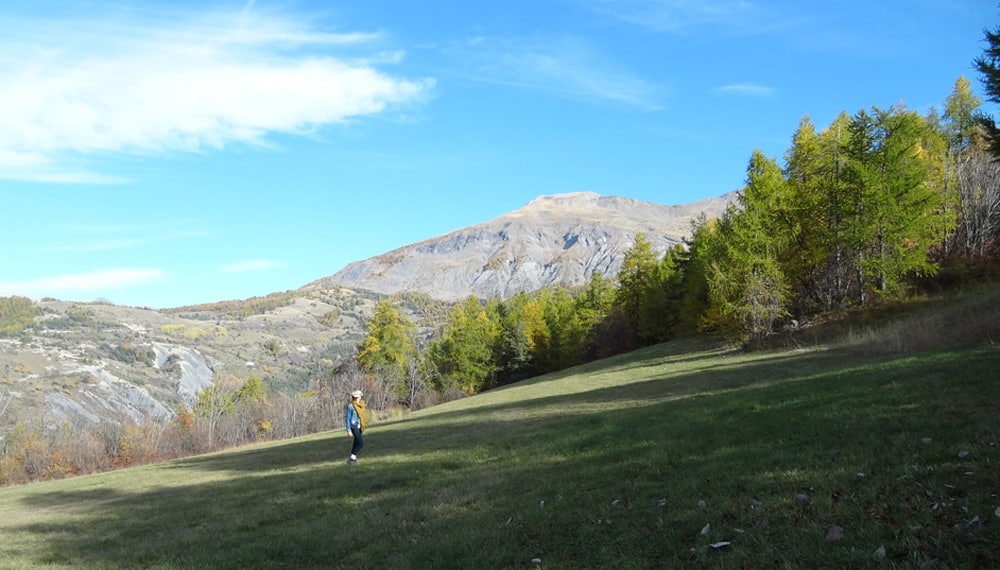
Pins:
<point x="553" y="240"/>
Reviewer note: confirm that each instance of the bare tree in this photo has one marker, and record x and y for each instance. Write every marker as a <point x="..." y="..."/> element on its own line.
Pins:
<point x="214" y="402"/>
<point x="5" y="399"/>
<point x="978" y="232"/>
<point x="417" y="386"/>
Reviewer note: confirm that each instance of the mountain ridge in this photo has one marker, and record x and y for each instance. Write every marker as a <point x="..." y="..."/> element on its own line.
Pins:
<point x="560" y="239"/>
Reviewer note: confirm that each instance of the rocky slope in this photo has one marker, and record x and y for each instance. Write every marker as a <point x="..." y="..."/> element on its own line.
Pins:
<point x="92" y="362"/>
<point x="561" y="239"/>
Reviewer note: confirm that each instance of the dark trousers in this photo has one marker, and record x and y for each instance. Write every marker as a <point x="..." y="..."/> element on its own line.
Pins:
<point x="359" y="441"/>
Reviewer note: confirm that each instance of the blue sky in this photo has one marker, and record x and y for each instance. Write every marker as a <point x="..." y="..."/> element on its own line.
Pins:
<point x="169" y="153"/>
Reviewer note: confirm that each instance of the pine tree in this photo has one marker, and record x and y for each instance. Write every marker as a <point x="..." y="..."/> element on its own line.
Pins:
<point x="988" y="66"/>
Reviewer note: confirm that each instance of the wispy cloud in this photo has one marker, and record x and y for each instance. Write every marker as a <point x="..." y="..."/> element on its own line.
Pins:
<point x="177" y="82"/>
<point x="746" y="89"/>
<point x="673" y="15"/>
<point x="251" y="266"/>
<point x="96" y="238"/>
<point x="685" y="17"/>
<point x="70" y="284"/>
<point x="565" y="67"/>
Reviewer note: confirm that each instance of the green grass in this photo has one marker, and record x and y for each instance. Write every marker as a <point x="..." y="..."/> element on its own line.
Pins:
<point x="641" y="461"/>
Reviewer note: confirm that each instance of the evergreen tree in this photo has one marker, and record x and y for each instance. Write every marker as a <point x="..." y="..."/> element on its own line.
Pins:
<point x="695" y="306"/>
<point x="660" y="306"/>
<point x="988" y="66"/>
<point x="513" y="349"/>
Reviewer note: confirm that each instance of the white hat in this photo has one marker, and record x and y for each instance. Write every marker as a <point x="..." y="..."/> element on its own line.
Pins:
<point x="356" y="394"/>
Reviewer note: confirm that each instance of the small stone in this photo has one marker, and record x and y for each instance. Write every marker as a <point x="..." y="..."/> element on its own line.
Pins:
<point x="925" y="439"/>
<point x="880" y="552"/>
<point x="835" y="533"/>
<point x="702" y="505"/>
<point x="720" y="544"/>
<point x="802" y="498"/>
<point x="963" y="454"/>
<point x="705" y="529"/>
<point x="536" y="560"/>
<point x="996" y="513"/>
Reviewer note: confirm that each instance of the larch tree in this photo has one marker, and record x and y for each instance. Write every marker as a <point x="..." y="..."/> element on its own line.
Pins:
<point x="746" y="282"/>
<point x="389" y="347"/>
<point x="898" y="214"/>
<point x="593" y="305"/>
<point x="961" y="120"/>
<point x="464" y="355"/>
<point x="634" y="279"/>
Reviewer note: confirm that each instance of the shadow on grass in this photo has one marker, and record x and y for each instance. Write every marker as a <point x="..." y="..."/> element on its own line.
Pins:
<point x="499" y="486"/>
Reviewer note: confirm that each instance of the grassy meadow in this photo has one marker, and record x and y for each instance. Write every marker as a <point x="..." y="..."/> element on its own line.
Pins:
<point x="682" y="455"/>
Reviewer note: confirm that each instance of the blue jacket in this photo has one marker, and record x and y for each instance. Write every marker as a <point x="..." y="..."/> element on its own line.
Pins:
<point x="351" y="418"/>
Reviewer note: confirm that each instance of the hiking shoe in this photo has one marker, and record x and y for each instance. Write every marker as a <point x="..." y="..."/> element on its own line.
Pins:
<point x="352" y="461"/>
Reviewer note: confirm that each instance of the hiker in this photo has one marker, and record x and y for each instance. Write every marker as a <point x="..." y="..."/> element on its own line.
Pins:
<point x="356" y="421"/>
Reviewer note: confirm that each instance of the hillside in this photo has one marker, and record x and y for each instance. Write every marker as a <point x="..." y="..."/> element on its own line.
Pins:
<point x="682" y="455"/>
<point x="92" y="361"/>
<point x="553" y="240"/>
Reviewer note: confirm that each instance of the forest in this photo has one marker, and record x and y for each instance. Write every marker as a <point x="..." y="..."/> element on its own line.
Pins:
<point x="877" y="207"/>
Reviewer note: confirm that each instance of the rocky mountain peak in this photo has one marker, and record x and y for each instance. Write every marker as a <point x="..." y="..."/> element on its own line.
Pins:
<point x="557" y="239"/>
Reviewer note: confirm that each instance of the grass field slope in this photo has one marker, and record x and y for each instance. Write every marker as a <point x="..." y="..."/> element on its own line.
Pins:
<point x="682" y="455"/>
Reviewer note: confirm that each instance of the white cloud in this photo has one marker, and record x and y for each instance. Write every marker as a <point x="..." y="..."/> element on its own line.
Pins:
<point x="97" y="281"/>
<point x="86" y="88"/>
<point x="254" y="265"/>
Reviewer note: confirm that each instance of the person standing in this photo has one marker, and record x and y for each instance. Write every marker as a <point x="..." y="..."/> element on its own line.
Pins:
<point x="356" y="420"/>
